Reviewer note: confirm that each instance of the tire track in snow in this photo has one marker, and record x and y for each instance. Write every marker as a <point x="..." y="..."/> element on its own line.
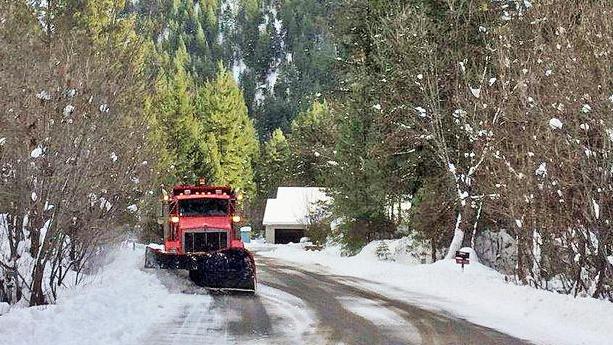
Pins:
<point x="296" y="306"/>
<point x="270" y="317"/>
<point x="330" y="297"/>
<point x="390" y="319"/>
<point x="293" y="321"/>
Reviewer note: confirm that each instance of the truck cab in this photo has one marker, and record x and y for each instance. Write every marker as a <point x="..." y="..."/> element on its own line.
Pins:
<point x="201" y="219"/>
<point x="201" y="236"/>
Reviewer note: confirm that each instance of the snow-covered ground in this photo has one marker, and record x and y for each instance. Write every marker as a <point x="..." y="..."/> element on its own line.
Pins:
<point x="124" y="303"/>
<point x="117" y="307"/>
<point x="479" y="294"/>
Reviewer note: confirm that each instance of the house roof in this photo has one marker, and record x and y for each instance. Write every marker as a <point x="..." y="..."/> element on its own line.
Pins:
<point x="293" y="205"/>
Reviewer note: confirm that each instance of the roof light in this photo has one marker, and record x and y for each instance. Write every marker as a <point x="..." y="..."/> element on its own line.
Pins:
<point x="218" y="191"/>
<point x="188" y="192"/>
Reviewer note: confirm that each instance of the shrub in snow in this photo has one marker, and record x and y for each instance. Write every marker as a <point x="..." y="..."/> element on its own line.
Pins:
<point x="383" y="252"/>
<point x="411" y="251"/>
<point x="406" y="250"/>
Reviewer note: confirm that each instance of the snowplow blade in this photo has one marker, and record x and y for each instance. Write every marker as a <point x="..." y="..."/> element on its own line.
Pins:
<point x="228" y="269"/>
<point x="155" y="258"/>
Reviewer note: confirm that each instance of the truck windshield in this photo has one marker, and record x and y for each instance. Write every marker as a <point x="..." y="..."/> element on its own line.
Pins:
<point x="203" y="207"/>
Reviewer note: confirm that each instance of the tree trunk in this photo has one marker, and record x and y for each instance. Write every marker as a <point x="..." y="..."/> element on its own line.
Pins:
<point x="520" y="270"/>
<point x="476" y="223"/>
<point x="433" y="244"/>
<point x="37" y="296"/>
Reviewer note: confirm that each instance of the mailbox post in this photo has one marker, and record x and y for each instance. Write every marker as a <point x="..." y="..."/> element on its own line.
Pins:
<point x="462" y="258"/>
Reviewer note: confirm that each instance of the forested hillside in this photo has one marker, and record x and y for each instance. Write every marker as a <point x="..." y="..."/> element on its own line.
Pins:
<point x="280" y="52"/>
<point x="486" y="124"/>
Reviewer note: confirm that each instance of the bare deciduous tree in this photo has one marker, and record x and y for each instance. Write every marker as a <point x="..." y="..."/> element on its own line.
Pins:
<point x="74" y="153"/>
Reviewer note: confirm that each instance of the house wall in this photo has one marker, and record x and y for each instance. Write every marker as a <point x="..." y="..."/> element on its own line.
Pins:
<point x="270" y="234"/>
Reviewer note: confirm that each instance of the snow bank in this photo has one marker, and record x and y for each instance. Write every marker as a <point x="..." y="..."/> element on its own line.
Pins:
<point x="404" y="250"/>
<point x="479" y="294"/>
<point x="4" y="308"/>
<point x="118" y="307"/>
<point x="259" y="244"/>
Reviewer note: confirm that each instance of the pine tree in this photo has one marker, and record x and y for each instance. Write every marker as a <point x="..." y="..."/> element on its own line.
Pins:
<point x="273" y="167"/>
<point x="209" y="8"/>
<point x="229" y="133"/>
<point x="173" y="124"/>
<point x="383" y="251"/>
<point x="312" y="142"/>
<point x="357" y="178"/>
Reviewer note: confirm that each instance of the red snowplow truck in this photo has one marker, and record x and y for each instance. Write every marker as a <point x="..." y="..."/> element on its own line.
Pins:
<point x="200" y="235"/>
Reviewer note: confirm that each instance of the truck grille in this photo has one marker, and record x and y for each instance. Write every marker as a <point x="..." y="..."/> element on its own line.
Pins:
<point x="205" y="241"/>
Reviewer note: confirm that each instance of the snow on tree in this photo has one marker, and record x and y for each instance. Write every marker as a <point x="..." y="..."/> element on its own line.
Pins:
<point x="383" y="251"/>
<point x="56" y="155"/>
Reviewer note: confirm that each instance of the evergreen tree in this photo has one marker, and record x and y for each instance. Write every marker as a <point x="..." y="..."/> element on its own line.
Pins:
<point x="360" y="183"/>
<point x="357" y="178"/>
<point x="294" y="45"/>
<point x="229" y="134"/>
<point x="312" y="144"/>
<point x="174" y="126"/>
<point x="273" y="167"/>
<point x="383" y="251"/>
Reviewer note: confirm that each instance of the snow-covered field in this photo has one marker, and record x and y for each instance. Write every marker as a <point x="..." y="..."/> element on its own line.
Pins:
<point x="118" y="307"/>
<point x="479" y="294"/>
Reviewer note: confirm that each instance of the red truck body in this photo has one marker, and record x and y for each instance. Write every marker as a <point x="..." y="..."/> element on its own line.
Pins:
<point x="200" y="235"/>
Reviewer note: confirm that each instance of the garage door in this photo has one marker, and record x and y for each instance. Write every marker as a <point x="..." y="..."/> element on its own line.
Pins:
<point x="284" y="236"/>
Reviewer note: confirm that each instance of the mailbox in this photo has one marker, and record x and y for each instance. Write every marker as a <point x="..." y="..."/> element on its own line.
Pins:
<point x="462" y="258"/>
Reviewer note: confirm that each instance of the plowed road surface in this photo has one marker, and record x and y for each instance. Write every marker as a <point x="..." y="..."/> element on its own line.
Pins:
<point x="295" y="306"/>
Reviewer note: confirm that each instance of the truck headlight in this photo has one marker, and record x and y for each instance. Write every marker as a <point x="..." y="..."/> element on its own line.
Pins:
<point x="174" y="219"/>
<point x="236" y="219"/>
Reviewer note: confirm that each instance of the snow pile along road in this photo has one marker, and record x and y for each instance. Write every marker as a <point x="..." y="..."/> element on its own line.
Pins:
<point x="479" y="294"/>
<point x="118" y="308"/>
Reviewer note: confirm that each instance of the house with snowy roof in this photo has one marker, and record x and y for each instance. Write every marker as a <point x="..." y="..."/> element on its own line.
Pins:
<point x="287" y="216"/>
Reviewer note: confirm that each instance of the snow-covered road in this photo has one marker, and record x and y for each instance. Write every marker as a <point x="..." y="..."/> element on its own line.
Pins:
<point x="268" y="317"/>
<point x="295" y="306"/>
<point x="307" y="298"/>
